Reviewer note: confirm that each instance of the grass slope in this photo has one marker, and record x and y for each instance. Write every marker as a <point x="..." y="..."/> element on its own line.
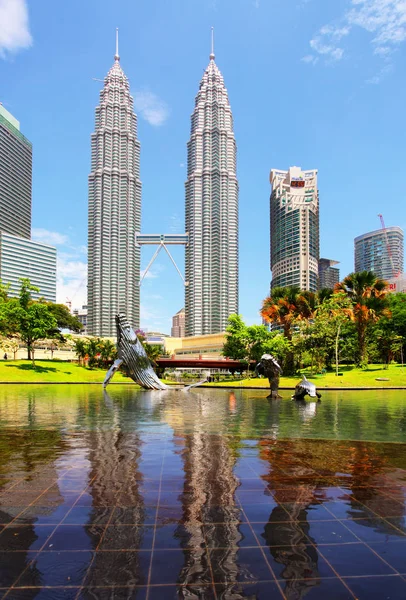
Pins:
<point x="48" y="371"/>
<point x="352" y="377"/>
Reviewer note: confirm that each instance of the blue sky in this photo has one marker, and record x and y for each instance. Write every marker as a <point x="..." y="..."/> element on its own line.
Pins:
<point x="315" y="83"/>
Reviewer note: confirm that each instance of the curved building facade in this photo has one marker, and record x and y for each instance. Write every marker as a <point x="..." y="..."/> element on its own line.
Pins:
<point x="371" y="252"/>
<point x="295" y="240"/>
<point x="211" y="210"/>
<point x="114" y="208"/>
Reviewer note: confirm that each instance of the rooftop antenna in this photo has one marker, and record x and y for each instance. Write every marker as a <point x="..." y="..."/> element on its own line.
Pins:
<point x="117" y="56"/>
<point x="212" y="55"/>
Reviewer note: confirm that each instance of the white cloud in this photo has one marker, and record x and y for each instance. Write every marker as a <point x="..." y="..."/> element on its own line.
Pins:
<point x="71" y="280"/>
<point x="151" y="107"/>
<point x="380" y="75"/>
<point x="49" y="237"/>
<point x="310" y="59"/>
<point x="14" y="27"/>
<point x="384" y="19"/>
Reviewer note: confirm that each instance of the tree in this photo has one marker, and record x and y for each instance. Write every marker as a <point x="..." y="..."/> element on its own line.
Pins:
<point x="236" y="334"/>
<point x="108" y="352"/>
<point x="80" y="349"/>
<point x="367" y="294"/>
<point x="93" y="349"/>
<point x="285" y="307"/>
<point x="64" y="318"/>
<point x="31" y="320"/>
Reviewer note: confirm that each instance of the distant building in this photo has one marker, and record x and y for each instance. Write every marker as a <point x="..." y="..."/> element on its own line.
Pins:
<point x="328" y="274"/>
<point x="15" y="177"/>
<point x="178" y="324"/>
<point x="397" y="284"/>
<point x="81" y="315"/>
<point x="371" y="252"/>
<point x="114" y="210"/>
<point x="294" y="228"/>
<point x="20" y="257"/>
<point x="204" y="346"/>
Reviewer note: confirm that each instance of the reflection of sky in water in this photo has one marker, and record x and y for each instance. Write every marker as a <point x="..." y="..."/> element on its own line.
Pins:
<point x="206" y="486"/>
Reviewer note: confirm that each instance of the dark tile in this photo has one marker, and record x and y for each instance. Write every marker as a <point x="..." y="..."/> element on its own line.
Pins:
<point x="316" y="589"/>
<point x="118" y="569"/>
<point x="9" y="513"/>
<point x="113" y="593"/>
<point x="136" y="515"/>
<point x="189" y="567"/>
<point x="175" y="535"/>
<point x="12" y="564"/>
<point x="181" y="592"/>
<point x="298" y="562"/>
<point x="44" y="594"/>
<point x="57" y="569"/>
<point x="328" y="532"/>
<point x="170" y="514"/>
<point x="239" y="564"/>
<point x="374" y="530"/>
<point x="378" y="588"/>
<point x="262" y="590"/>
<point x="24" y="537"/>
<point x="348" y="510"/>
<point x="229" y="534"/>
<point x="398" y="523"/>
<point x="256" y="497"/>
<point x="263" y="513"/>
<point x="355" y="560"/>
<point x="75" y="537"/>
<point x="394" y="554"/>
<point x="43" y="515"/>
<point x="127" y="537"/>
<point x="88" y="515"/>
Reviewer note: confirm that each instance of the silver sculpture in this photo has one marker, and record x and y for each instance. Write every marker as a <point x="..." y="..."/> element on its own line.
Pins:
<point x="305" y="388"/>
<point x="269" y="367"/>
<point x="131" y="353"/>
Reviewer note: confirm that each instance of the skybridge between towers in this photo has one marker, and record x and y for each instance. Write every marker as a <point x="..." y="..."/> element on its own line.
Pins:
<point x="162" y="241"/>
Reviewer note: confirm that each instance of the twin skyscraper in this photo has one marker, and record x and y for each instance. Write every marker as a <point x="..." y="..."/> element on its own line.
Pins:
<point x="211" y="217"/>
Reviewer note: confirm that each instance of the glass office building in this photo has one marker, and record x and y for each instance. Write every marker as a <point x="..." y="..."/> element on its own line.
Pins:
<point x="294" y="228"/>
<point x="22" y="258"/>
<point x="380" y="251"/>
<point x="15" y="177"/>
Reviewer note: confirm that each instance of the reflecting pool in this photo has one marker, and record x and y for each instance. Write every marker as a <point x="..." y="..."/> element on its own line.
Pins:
<point x="206" y="494"/>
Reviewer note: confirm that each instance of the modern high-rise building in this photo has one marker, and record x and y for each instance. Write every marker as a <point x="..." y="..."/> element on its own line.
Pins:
<point x="22" y="258"/>
<point x="178" y="324"/>
<point x="15" y="177"/>
<point x="329" y="275"/>
<point x="211" y="210"/>
<point x="380" y="251"/>
<point x="114" y="208"/>
<point x="295" y="228"/>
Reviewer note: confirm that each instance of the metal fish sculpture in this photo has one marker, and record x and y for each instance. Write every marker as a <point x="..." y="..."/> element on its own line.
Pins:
<point x="131" y="353"/>
<point x="305" y="388"/>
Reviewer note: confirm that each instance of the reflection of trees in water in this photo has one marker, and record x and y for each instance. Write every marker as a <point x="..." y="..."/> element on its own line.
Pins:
<point x="289" y="483"/>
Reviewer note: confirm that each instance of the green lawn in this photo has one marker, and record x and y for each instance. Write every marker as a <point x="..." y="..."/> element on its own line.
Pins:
<point x="351" y="377"/>
<point x="48" y="371"/>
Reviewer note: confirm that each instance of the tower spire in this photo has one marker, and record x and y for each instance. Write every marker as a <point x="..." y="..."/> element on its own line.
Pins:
<point x="212" y="55"/>
<point x="116" y="56"/>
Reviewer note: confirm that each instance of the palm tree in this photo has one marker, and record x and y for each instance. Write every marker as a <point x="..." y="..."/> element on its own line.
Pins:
<point x="367" y="294"/>
<point x="108" y="351"/>
<point x="93" y="350"/>
<point x="80" y="348"/>
<point x="285" y="307"/>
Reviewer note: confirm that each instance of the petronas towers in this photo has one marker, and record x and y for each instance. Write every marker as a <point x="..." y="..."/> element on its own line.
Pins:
<point x="211" y="292"/>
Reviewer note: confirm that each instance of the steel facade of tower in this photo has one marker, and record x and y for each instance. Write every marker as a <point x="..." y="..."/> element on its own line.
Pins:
<point x="15" y="177"/>
<point x="114" y="208"/>
<point x="211" y="264"/>
<point x="295" y="240"/>
<point x="371" y="252"/>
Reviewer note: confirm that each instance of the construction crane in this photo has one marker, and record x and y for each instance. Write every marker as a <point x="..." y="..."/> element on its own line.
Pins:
<point x="395" y="273"/>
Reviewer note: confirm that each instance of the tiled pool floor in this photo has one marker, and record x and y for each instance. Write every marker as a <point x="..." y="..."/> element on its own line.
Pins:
<point x="156" y="515"/>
